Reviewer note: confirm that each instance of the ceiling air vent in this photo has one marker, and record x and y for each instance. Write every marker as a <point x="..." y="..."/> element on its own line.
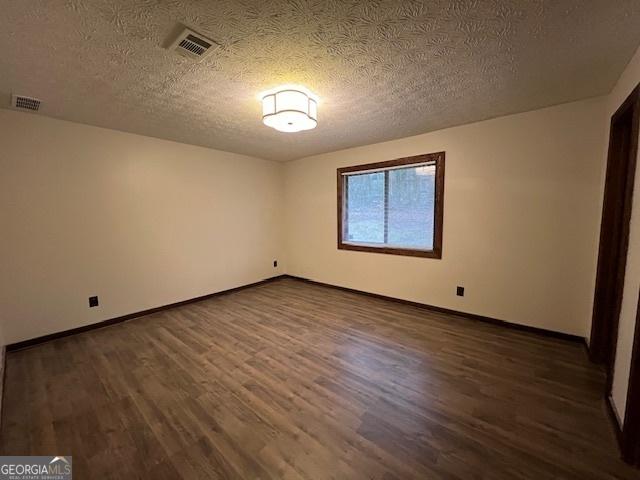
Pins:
<point x="193" y="45"/>
<point x="25" y="103"/>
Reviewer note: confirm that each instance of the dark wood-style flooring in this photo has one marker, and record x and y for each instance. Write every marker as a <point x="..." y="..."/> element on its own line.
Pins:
<point x="298" y="381"/>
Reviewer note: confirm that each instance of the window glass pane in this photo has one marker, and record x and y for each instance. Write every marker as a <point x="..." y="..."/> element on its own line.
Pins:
<point x="365" y="208"/>
<point x="411" y="207"/>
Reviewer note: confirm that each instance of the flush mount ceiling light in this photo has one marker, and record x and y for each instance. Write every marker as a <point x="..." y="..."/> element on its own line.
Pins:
<point x="289" y="109"/>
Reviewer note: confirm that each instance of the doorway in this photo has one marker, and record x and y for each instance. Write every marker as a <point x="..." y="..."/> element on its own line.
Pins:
<point x="614" y="241"/>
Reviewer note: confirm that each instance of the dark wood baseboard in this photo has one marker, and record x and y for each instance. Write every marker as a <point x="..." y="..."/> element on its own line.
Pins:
<point x="105" y="323"/>
<point x="472" y="316"/>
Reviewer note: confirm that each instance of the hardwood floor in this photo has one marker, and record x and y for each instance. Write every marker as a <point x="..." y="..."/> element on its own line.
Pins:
<point x="298" y="381"/>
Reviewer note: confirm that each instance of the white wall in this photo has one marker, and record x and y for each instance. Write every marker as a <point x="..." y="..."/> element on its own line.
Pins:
<point x="521" y="217"/>
<point x="627" y="82"/>
<point x="139" y="221"/>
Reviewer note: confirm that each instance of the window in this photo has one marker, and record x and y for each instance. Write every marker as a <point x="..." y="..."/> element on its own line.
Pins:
<point x="393" y="207"/>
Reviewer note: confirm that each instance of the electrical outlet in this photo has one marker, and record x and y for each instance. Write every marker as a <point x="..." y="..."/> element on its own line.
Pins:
<point x="460" y="291"/>
<point x="93" y="302"/>
<point x="275" y="263"/>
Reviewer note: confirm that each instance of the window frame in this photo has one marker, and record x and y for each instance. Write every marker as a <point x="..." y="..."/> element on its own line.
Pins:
<point x="436" y="252"/>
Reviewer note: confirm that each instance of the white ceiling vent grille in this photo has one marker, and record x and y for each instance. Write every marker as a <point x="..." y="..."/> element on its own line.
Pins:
<point x="25" y="103"/>
<point x="193" y="45"/>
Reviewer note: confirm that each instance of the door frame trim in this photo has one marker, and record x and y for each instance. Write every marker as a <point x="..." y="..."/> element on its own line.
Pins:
<point x="602" y="344"/>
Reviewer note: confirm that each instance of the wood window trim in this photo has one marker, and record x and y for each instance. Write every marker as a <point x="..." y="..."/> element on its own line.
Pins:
<point x="438" y="159"/>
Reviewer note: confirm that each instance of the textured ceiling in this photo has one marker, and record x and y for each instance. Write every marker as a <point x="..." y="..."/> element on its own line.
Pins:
<point x="382" y="69"/>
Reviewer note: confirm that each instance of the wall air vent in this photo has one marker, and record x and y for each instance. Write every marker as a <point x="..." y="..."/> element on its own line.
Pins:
<point x="25" y="103"/>
<point x="193" y="45"/>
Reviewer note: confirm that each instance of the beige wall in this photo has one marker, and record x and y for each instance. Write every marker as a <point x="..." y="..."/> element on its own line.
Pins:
<point x="139" y="221"/>
<point x="629" y="79"/>
<point x="143" y="222"/>
<point x="521" y="217"/>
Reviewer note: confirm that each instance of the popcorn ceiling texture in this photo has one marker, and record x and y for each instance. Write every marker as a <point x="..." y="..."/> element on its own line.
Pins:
<point x="382" y="69"/>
